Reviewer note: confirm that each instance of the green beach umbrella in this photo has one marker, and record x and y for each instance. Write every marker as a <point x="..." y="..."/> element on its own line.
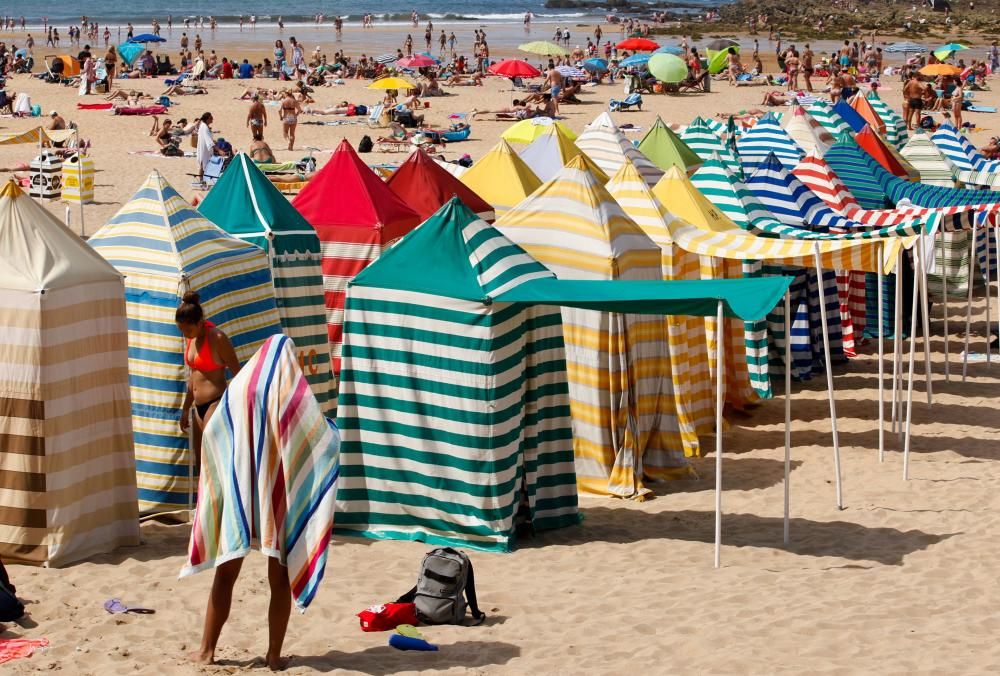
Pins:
<point x="717" y="60"/>
<point x="944" y="51"/>
<point x="543" y="48"/>
<point x="665" y="149"/>
<point x="667" y="68"/>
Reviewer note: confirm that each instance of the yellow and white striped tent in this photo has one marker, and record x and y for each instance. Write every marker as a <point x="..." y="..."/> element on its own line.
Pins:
<point x="626" y="425"/>
<point x="67" y="458"/>
<point x="605" y="143"/>
<point x="501" y="178"/>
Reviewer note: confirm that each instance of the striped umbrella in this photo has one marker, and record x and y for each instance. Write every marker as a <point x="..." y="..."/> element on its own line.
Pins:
<point x="166" y="248"/>
<point x="704" y="141"/>
<point x="905" y="48"/>
<point x="608" y="147"/>
<point x="429" y="364"/>
<point x="571" y="72"/>
<point x="621" y="387"/>
<point x="764" y="138"/>
<point x="385" y="59"/>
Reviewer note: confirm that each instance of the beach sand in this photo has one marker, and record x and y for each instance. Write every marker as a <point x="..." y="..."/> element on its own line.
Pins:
<point x="901" y="581"/>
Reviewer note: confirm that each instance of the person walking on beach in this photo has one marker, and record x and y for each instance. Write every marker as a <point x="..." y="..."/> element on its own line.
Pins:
<point x="257" y="117"/>
<point x="427" y="39"/>
<point x="408" y="45"/>
<point x="206" y="146"/>
<point x="452" y="41"/>
<point x="289" y="113"/>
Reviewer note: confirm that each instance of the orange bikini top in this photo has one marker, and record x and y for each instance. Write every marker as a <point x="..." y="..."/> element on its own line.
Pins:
<point x="203" y="361"/>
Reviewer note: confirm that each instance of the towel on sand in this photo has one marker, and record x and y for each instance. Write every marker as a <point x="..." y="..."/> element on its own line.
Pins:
<point x="270" y="462"/>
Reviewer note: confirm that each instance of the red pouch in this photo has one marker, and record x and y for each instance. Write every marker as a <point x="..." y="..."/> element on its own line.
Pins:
<point x="387" y="616"/>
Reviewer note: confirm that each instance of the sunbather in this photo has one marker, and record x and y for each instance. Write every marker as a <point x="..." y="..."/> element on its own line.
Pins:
<point x="473" y="80"/>
<point x="518" y="111"/>
<point x="183" y="90"/>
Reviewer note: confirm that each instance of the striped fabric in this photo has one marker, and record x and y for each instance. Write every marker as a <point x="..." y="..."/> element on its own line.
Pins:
<point x="37" y="135"/>
<point x="863" y="108"/>
<point x="626" y="425"/>
<point x="895" y="129"/>
<point x="551" y="151"/>
<point x="501" y="177"/>
<point x="932" y="165"/>
<point x="456" y="170"/>
<point x="269" y="473"/>
<point x="823" y="112"/>
<point x="808" y="134"/>
<point x="972" y="168"/>
<point x="766" y="137"/>
<point x="166" y="248"/>
<point x="689" y="358"/>
<point x="454" y="408"/>
<point x="604" y="143"/>
<point x="67" y="456"/>
<point x="700" y="137"/>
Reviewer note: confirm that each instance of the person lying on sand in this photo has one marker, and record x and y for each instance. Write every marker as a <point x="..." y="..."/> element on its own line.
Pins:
<point x="183" y="90"/>
<point x="133" y="99"/>
<point x="775" y="98"/>
<point x="474" y="80"/>
<point x="518" y="111"/>
<point x="342" y="108"/>
<point x="264" y="94"/>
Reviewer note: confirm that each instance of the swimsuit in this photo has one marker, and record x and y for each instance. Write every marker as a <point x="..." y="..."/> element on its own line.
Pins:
<point x="916" y="103"/>
<point x="202" y="409"/>
<point x="203" y="360"/>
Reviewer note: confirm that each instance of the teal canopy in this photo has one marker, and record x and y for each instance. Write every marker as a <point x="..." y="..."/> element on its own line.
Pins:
<point x="128" y="51"/>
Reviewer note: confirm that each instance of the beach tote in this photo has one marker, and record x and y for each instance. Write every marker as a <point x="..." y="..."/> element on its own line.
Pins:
<point x="446" y="589"/>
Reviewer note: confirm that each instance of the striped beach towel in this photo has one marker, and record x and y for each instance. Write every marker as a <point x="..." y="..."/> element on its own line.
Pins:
<point x="270" y="461"/>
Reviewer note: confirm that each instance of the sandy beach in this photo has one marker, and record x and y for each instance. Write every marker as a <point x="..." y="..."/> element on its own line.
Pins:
<point x="901" y="581"/>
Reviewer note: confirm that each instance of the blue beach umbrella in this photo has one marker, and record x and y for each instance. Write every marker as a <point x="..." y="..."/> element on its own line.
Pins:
<point x="147" y="37"/>
<point x="676" y="51"/>
<point x="905" y="48"/>
<point x="595" y="65"/>
<point x="636" y="60"/>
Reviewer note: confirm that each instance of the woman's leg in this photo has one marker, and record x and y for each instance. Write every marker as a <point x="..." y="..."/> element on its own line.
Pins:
<point x="291" y="136"/>
<point x="278" y="611"/>
<point x="220" y="601"/>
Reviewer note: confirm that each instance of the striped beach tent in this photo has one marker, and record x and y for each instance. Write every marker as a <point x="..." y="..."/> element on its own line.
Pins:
<point x="626" y="425"/>
<point x="932" y="165"/>
<point x="551" y="151"/>
<point x="764" y="138"/>
<point x="807" y="133"/>
<point x="973" y="169"/>
<point x="863" y="107"/>
<point x="454" y="411"/>
<point x="456" y="170"/>
<point x="425" y="187"/>
<point x="356" y="216"/>
<point x="895" y="129"/>
<point x="665" y="149"/>
<point x="700" y="138"/>
<point x="822" y="111"/>
<point x="689" y="349"/>
<point x="849" y="115"/>
<point x="604" y="143"/>
<point x="67" y="454"/>
<point x="166" y="248"/>
<point x="885" y="154"/>
<point x="501" y="178"/>
<point x="246" y="204"/>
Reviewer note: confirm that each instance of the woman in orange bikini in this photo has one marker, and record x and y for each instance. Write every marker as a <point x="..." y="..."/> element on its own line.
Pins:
<point x="208" y="353"/>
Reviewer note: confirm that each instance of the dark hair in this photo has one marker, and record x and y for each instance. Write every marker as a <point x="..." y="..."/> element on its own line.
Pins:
<point x="189" y="311"/>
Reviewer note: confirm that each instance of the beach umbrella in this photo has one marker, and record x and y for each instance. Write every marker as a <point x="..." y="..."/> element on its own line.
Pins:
<point x="416" y="61"/>
<point x="668" y="68"/>
<point x="638" y="45"/>
<point x="722" y="44"/>
<point x="676" y="51"/>
<point x="514" y="68"/>
<point x="385" y="58"/>
<point x="147" y="37"/>
<point x="570" y="71"/>
<point x="635" y="60"/>
<point x="21" y="53"/>
<point x="940" y="69"/>
<point x="718" y="61"/>
<point x="430" y="56"/>
<point x="129" y="51"/>
<point x="595" y="65"/>
<point x="392" y="83"/>
<point x="904" y="48"/>
<point x="543" y="48"/>
<point x="527" y="131"/>
<point x="944" y="51"/>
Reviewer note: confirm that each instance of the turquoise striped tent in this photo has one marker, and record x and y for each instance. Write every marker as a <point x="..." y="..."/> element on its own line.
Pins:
<point x="895" y="128"/>
<point x="246" y="204"/>
<point x="824" y="113"/>
<point x="164" y="248"/>
<point x="454" y="409"/>
<point x="701" y="137"/>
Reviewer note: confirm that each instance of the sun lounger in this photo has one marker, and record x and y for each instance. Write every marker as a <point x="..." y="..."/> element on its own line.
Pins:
<point x="633" y="99"/>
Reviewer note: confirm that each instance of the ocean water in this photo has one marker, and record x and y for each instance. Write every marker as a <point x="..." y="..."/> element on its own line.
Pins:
<point x="294" y="12"/>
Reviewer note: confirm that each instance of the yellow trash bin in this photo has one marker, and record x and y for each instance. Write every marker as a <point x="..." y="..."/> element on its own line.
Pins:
<point x="78" y="180"/>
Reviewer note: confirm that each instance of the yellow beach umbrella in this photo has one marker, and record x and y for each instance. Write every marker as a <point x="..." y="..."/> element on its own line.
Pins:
<point x="543" y="48"/>
<point x="527" y="131"/>
<point x="392" y="83"/>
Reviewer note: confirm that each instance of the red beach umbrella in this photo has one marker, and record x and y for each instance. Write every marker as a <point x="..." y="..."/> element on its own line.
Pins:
<point x="514" y="68"/>
<point x="638" y="45"/>
<point x="416" y="61"/>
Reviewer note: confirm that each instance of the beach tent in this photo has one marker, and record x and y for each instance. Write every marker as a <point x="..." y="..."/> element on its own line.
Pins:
<point x="863" y="107"/>
<point x="849" y="115"/>
<point x="895" y="129"/>
<point x="665" y="149"/>
<point x="626" y="426"/>
<point x="932" y="165"/>
<point x="166" y="248"/>
<point x="822" y="111"/>
<point x="456" y="170"/>
<point x="246" y="204"/>
<point x="704" y="141"/>
<point x="129" y="51"/>
<point x="67" y="453"/>
<point x="528" y="130"/>
<point x="604" y="143"/>
<point x="551" y="151"/>
<point x="764" y="138"/>
<point x="356" y="216"/>
<point x="425" y="187"/>
<point x="971" y="167"/>
<point x="885" y="154"/>
<point x="71" y="66"/>
<point x="501" y="178"/>
<point x="807" y="133"/>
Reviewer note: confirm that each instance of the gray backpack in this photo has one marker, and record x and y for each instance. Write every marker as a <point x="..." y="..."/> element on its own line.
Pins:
<point x="446" y="587"/>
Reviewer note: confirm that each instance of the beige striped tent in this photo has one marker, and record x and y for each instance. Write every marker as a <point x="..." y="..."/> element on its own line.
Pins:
<point x="626" y="425"/>
<point x="67" y="459"/>
<point x="605" y="143"/>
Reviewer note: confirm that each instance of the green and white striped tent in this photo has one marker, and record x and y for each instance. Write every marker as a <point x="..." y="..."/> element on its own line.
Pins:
<point x="895" y="128"/>
<point x="454" y="409"/>
<point x="165" y="248"/>
<point x="924" y="155"/>
<point x="246" y="204"/>
<point x="704" y="141"/>
<point x="824" y="113"/>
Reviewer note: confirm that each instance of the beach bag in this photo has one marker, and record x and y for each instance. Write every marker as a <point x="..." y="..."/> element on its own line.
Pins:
<point x="446" y="589"/>
<point x="387" y="616"/>
<point x="366" y="144"/>
<point x="10" y="608"/>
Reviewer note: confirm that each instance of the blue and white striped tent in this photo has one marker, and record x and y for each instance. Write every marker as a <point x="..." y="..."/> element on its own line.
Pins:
<point x="972" y="168"/>
<point x="165" y="248"/>
<point x="823" y="112"/>
<point x="764" y="138"/>
<point x="701" y="137"/>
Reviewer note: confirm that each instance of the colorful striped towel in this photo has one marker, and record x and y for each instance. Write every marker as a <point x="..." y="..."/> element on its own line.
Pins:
<point x="270" y="462"/>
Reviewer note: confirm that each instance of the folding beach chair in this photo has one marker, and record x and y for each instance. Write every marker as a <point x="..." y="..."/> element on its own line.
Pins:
<point x="375" y="115"/>
<point x="633" y="99"/>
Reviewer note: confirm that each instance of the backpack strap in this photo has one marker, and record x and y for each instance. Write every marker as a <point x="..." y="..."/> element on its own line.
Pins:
<point x="470" y="596"/>
<point x="408" y="597"/>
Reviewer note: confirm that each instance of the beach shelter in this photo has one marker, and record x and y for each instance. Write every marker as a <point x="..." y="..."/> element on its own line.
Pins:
<point x="822" y="111"/>
<point x="356" y="216"/>
<point x="165" y="248"/>
<point x="932" y="164"/>
<point x="551" y="151"/>
<point x="528" y="130"/>
<point x="246" y="204"/>
<point x="895" y="129"/>
<point x="863" y="107"/>
<point x="973" y="169"/>
<point x="807" y="133"/>
<point x="456" y="170"/>
<point x="604" y="143"/>
<point x="701" y="137"/>
<point x="67" y="452"/>
<point x="626" y="426"/>
<point x="130" y="51"/>
<point x="71" y="66"/>
<point x="885" y="154"/>
<point x="849" y="115"/>
<point x="764" y="138"/>
<point x="501" y="178"/>
<point x="665" y="149"/>
<point x="425" y="187"/>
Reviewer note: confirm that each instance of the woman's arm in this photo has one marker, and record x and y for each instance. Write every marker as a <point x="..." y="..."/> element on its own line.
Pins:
<point x="227" y="353"/>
